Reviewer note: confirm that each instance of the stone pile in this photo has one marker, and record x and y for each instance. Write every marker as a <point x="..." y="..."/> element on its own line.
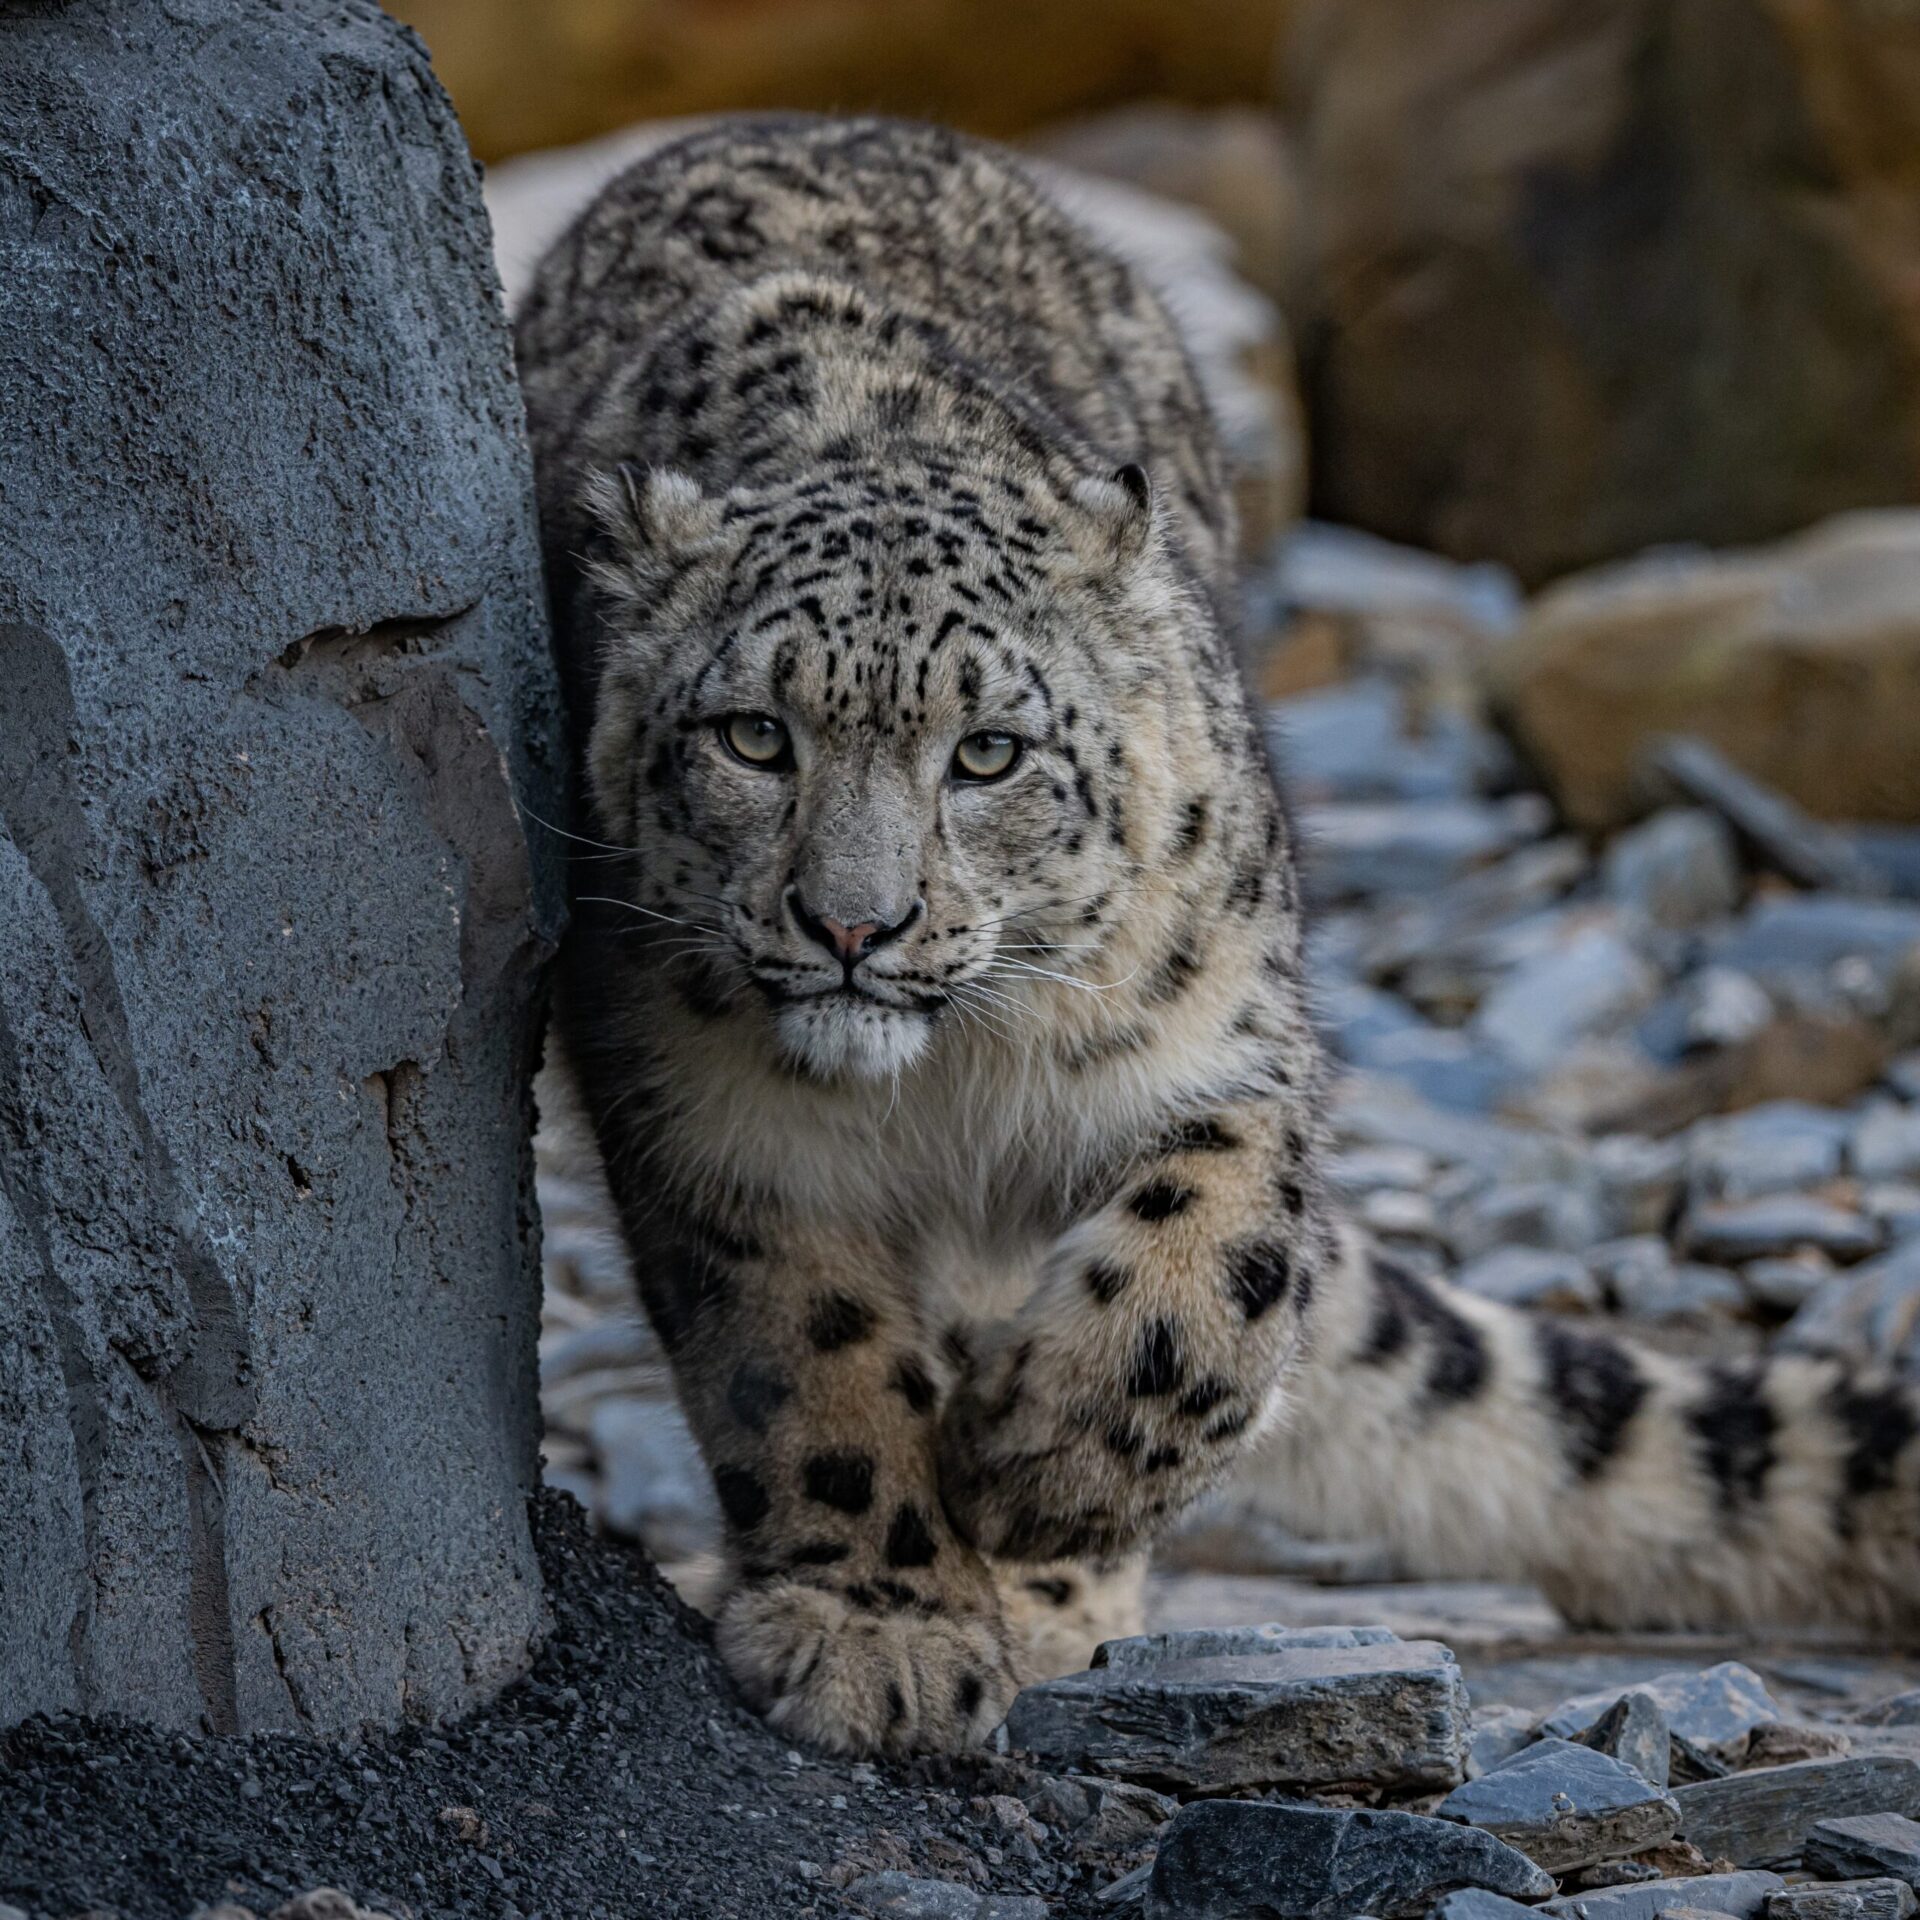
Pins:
<point x="1671" y="1075"/>
<point x="1274" y="1773"/>
<point x="1323" y="1773"/>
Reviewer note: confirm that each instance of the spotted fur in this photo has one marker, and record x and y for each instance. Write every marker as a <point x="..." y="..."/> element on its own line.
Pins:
<point x="988" y="1250"/>
<point x="1638" y="1489"/>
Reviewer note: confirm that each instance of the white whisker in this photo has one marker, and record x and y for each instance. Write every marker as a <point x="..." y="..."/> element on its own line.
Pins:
<point x="606" y="900"/>
<point x="565" y="833"/>
<point x="1065" y="979"/>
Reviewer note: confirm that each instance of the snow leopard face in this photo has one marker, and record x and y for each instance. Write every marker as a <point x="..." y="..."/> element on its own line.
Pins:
<point x="886" y="743"/>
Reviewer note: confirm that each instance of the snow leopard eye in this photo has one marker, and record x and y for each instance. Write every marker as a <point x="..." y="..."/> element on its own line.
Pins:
<point x="758" y="740"/>
<point x="989" y="755"/>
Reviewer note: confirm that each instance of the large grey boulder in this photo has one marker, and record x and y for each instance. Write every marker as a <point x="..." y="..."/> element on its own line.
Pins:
<point x="272" y="673"/>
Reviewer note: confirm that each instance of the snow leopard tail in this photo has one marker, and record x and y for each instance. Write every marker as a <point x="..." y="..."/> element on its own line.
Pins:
<point x="1636" y="1488"/>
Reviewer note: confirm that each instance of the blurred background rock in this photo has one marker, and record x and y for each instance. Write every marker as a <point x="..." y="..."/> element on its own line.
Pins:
<point x="542" y="73"/>
<point x="1569" y="355"/>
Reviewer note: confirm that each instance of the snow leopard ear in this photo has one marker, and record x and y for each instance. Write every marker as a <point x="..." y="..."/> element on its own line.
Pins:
<point x="1120" y="514"/>
<point x="655" y="524"/>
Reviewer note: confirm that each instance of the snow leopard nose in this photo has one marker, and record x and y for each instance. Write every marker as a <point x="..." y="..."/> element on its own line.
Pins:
<point x="849" y="945"/>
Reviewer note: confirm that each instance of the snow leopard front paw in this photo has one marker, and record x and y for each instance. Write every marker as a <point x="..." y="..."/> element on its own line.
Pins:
<point x="858" y="1671"/>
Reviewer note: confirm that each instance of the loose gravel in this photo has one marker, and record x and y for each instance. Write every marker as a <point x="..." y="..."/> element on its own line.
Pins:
<point x="621" y="1778"/>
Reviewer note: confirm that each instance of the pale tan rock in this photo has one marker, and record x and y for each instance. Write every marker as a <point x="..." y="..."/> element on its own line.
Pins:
<point x="326" y="1903"/>
<point x="1800" y="662"/>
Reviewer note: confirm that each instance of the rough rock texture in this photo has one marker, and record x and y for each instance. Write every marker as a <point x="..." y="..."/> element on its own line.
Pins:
<point x="1740" y="1894"/>
<point x="1208" y="1643"/>
<point x="1565" y="1806"/>
<point x="1390" y="1715"/>
<point x="271" y="932"/>
<point x="1717" y="1708"/>
<point x="1242" y="1860"/>
<point x="1634" y="1731"/>
<point x="1874" y="1843"/>
<point x="1799" y="662"/>
<point x="1844" y="1900"/>
<point x="1763" y="1818"/>
<point x="1583" y="276"/>
<point x="623" y="1779"/>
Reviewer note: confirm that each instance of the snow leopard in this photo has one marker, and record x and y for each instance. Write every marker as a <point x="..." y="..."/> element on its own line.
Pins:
<point x="936" y="984"/>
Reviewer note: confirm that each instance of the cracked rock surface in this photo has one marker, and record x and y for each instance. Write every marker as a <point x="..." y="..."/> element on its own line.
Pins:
<point x="273" y="673"/>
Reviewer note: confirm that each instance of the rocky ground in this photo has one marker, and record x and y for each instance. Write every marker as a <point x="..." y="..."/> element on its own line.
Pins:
<point x="1242" y="1773"/>
<point x="621" y="1779"/>
<point x="1623" y="1032"/>
<point x="1667" y="1076"/>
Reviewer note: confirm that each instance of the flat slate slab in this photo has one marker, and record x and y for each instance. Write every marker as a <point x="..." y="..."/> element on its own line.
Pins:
<point x="1251" y="1860"/>
<point x="1390" y="1715"/>
<point x="1743" y="1895"/>
<point x="1207" y="1643"/>
<point x="1845" y="1900"/>
<point x="1873" y="1843"/>
<point x="1764" y="1817"/>
<point x="1566" y="1806"/>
